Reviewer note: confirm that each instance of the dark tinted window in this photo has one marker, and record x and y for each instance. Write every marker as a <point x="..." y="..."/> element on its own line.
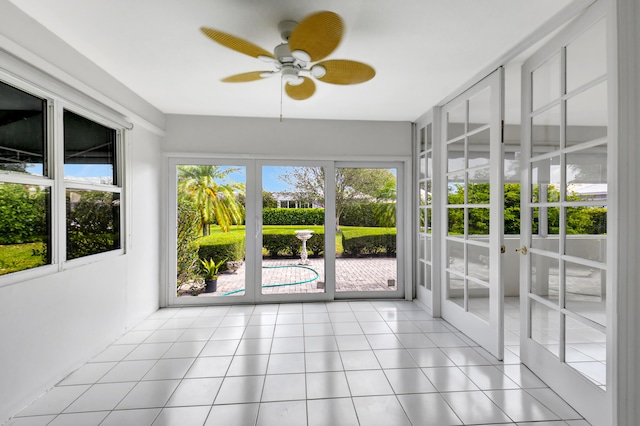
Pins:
<point x="22" y="132"/>
<point x="89" y="150"/>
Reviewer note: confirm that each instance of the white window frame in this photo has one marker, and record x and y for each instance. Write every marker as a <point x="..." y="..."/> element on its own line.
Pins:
<point x="57" y="100"/>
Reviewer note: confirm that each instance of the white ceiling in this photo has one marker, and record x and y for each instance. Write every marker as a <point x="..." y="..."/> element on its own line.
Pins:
<point x="422" y="50"/>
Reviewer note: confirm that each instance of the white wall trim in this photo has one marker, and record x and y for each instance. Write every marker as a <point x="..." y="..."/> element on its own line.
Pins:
<point x="624" y="331"/>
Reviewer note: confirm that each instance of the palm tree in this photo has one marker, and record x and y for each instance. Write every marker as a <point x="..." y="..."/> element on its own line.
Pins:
<point x="214" y="197"/>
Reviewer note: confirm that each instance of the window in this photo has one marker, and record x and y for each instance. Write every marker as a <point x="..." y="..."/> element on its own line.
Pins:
<point x="25" y="190"/>
<point x="88" y="185"/>
<point x="92" y="194"/>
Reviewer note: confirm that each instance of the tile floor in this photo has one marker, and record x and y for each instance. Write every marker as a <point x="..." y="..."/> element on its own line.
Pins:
<point x="339" y="363"/>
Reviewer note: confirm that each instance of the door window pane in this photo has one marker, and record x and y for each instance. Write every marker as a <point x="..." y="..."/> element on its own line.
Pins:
<point x="455" y="289"/>
<point x="478" y="302"/>
<point x="587" y="56"/>
<point x="456" y="188"/>
<point x="456" y="120"/>
<point x="479" y="187"/>
<point x="545" y="327"/>
<point x="545" y="132"/>
<point x="545" y="277"/>
<point x="479" y="221"/>
<point x="546" y="83"/>
<point x="211" y="230"/>
<point x="586" y="350"/>
<point x="368" y="234"/>
<point x="480" y="109"/>
<point x="455" y="256"/>
<point x="25" y="222"/>
<point x="587" y="232"/>
<point x="93" y="222"/>
<point x="22" y="132"/>
<point x="479" y="264"/>
<point x="455" y="156"/>
<point x="89" y="150"/>
<point x="422" y="166"/>
<point x="545" y="229"/>
<point x="456" y="221"/>
<point x="429" y="136"/>
<point x="545" y="180"/>
<point x="293" y="233"/>
<point x="478" y="154"/>
<point x="585" y="291"/>
<point x="587" y="174"/>
<point x="587" y="115"/>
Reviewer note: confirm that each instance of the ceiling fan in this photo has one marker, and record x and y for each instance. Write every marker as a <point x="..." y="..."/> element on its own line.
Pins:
<point x="296" y="60"/>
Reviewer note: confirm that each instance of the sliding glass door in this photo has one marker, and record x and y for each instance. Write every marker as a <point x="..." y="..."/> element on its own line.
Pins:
<point x="293" y="238"/>
<point x="273" y="231"/>
<point x="210" y="236"/>
<point x="366" y="230"/>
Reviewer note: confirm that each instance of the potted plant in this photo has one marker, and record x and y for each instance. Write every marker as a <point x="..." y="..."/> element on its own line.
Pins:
<point x="210" y="274"/>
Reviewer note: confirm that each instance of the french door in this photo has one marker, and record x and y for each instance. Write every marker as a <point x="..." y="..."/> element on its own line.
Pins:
<point x="472" y="231"/>
<point x="564" y="266"/>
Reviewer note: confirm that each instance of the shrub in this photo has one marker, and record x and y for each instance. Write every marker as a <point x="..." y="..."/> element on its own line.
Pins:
<point x="187" y="249"/>
<point x="283" y="242"/>
<point x="370" y="215"/>
<point x="229" y="245"/>
<point x="369" y="241"/>
<point x="293" y="216"/>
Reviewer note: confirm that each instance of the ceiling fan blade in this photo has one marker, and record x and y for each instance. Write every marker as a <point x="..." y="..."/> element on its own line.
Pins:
<point x="340" y="71"/>
<point x="302" y="91"/>
<point x="318" y="35"/>
<point x="244" y="77"/>
<point x="235" y="43"/>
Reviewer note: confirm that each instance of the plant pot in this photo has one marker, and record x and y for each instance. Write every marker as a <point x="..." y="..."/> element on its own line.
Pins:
<point x="210" y="286"/>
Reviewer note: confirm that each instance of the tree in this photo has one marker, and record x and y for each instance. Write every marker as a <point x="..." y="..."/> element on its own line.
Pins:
<point x="353" y="185"/>
<point x="268" y="200"/>
<point x="214" y="198"/>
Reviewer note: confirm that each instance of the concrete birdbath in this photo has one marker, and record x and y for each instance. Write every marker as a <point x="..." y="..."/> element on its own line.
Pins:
<point x="303" y="235"/>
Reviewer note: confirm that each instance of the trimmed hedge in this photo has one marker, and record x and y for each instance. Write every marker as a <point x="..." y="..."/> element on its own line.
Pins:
<point x="293" y="216"/>
<point x="365" y="215"/>
<point x="230" y="246"/>
<point x="283" y="242"/>
<point x="370" y="241"/>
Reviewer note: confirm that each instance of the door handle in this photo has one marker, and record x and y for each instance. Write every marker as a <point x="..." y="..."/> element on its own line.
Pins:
<point x="503" y="249"/>
<point x="522" y="250"/>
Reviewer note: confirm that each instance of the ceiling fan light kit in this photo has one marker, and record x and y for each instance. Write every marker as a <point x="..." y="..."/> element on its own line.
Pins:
<point x="311" y="40"/>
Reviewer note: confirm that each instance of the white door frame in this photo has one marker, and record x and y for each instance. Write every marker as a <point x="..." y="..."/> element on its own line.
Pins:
<point x="253" y="219"/>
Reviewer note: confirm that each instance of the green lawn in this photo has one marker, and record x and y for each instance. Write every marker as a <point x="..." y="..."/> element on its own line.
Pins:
<point x="18" y="257"/>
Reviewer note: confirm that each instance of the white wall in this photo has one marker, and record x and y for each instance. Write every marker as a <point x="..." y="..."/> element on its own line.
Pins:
<point x="302" y="139"/>
<point x="54" y="322"/>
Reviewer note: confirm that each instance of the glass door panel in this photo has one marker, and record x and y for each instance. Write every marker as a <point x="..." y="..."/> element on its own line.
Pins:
<point x="564" y="216"/>
<point x="366" y="237"/>
<point x="472" y="297"/>
<point x="293" y="231"/>
<point x="211" y="232"/>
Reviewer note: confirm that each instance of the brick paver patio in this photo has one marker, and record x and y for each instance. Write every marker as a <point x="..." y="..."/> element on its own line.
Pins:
<point x="362" y="274"/>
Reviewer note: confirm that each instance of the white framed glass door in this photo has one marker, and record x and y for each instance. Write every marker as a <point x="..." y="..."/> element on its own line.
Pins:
<point x="209" y="244"/>
<point x="472" y="229"/>
<point x="425" y="290"/>
<point x="295" y="231"/>
<point x="564" y="199"/>
<point x="370" y="229"/>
